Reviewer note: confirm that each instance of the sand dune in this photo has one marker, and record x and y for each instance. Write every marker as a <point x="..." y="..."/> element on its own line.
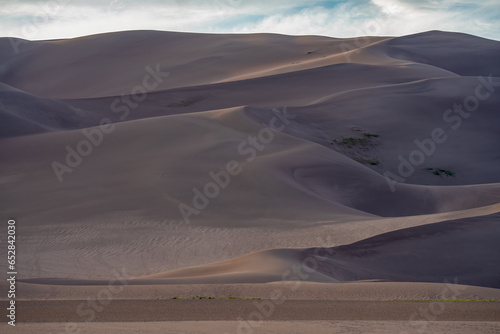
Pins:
<point x="468" y="247"/>
<point x="465" y="62"/>
<point x="346" y="115"/>
<point x="196" y="59"/>
<point x="23" y="113"/>
<point x="192" y="59"/>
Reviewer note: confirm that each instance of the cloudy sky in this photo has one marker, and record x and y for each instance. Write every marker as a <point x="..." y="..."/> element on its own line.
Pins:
<point x="50" y="19"/>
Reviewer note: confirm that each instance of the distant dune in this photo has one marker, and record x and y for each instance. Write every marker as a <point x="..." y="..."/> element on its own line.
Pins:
<point x="229" y="159"/>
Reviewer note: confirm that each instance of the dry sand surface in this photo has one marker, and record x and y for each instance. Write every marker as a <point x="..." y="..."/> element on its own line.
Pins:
<point x="227" y="310"/>
<point x="299" y="290"/>
<point x="181" y="165"/>
<point x="268" y="327"/>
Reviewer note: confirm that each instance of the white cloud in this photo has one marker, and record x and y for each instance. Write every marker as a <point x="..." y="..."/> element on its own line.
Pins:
<point x="381" y="17"/>
<point x="36" y="19"/>
<point x="391" y="7"/>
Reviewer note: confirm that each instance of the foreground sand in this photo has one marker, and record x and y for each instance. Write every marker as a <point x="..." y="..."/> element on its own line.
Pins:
<point x="63" y="311"/>
<point x="300" y="290"/>
<point x="76" y="304"/>
<point x="268" y="327"/>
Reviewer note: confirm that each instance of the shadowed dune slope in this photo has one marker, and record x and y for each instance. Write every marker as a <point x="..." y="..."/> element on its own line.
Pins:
<point x="274" y="90"/>
<point x="462" y="54"/>
<point x="22" y="113"/>
<point x="286" y="180"/>
<point x="464" y="251"/>
<point x="400" y="119"/>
